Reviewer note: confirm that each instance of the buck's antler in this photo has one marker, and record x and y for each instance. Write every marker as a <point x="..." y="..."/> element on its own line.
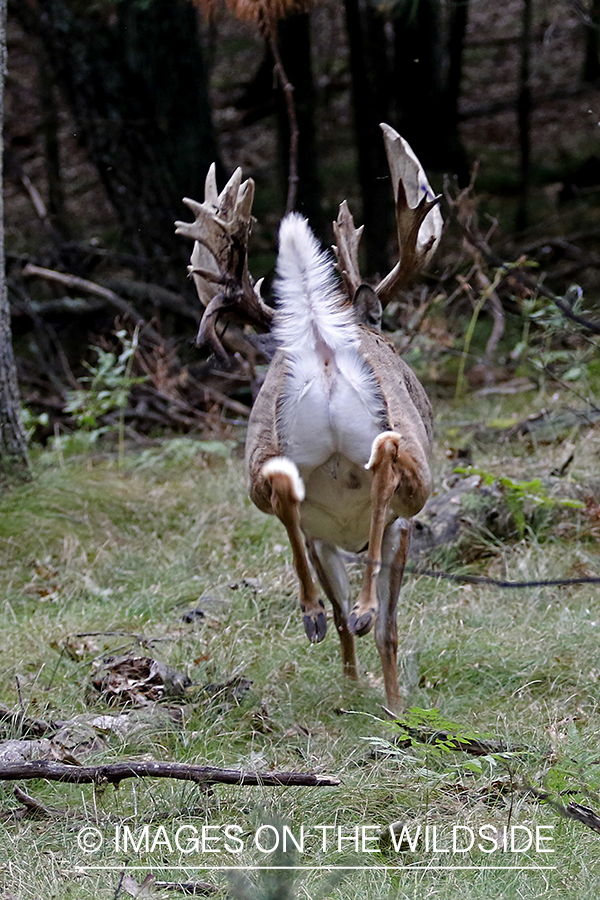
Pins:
<point x="418" y="232"/>
<point x="219" y="260"/>
<point x="346" y="249"/>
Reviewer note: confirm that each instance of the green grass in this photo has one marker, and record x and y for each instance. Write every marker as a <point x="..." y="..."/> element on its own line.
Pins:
<point x="87" y="547"/>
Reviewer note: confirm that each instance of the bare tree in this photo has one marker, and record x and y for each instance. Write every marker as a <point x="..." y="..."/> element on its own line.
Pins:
<point x="591" y="63"/>
<point x="524" y="112"/>
<point x="136" y="84"/>
<point x="13" y="444"/>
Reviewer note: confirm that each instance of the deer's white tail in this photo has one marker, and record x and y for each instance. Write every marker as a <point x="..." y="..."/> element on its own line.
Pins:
<point x="312" y="314"/>
<point x="331" y="401"/>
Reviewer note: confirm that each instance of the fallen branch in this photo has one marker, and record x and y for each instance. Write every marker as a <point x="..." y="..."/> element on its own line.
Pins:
<point x="74" y="282"/>
<point x="474" y="745"/>
<point x="574" y="811"/>
<point x="186" y="887"/>
<point x="114" y="773"/>
<point x="212" y="393"/>
<point x="75" y="306"/>
<point x="35" y="807"/>
<point x="149" y="885"/>
<point x="153" y="295"/>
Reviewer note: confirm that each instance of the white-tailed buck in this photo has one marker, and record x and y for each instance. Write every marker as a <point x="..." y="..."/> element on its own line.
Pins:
<point x="340" y="434"/>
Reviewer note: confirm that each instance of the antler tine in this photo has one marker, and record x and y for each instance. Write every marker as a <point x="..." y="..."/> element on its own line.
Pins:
<point x="418" y="232"/>
<point x="205" y="222"/>
<point x="346" y="249"/>
<point x="244" y="201"/>
<point x="211" y="193"/>
<point x="228" y="197"/>
<point x="219" y="260"/>
<point x="212" y="241"/>
<point x="205" y="273"/>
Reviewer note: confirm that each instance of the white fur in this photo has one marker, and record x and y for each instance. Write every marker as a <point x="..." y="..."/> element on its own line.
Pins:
<point x="384" y="436"/>
<point x="331" y="400"/>
<point x="310" y="304"/>
<point x="279" y="465"/>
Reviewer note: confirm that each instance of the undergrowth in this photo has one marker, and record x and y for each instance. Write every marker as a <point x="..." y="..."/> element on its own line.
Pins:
<point x="164" y="556"/>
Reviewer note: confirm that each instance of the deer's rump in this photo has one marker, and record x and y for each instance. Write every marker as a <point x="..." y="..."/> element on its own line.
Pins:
<point x="337" y="484"/>
<point x="331" y="412"/>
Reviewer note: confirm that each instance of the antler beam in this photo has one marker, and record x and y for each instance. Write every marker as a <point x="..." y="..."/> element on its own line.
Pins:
<point x="222" y="225"/>
<point x="418" y="223"/>
<point x="219" y="260"/>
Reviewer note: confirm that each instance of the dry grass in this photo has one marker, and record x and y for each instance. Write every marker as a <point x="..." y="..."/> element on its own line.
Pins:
<point x="88" y="547"/>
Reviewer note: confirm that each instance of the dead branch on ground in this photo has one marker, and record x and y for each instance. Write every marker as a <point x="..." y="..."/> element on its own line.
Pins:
<point x="114" y="773"/>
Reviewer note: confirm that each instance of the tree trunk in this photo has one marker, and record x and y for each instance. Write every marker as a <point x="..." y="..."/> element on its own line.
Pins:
<point x="591" y="62"/>
<point x="13" y="443"/>
<point x="427" y="81"/>
<point x="524" y="115"/>
<point x="295" y="50"/>
<point x="50" y="129"/>
<point x="134" y="78"/>
<point x="417" y="79"/>
<point x="371" y="77"/>
<point x="457" y="158"/>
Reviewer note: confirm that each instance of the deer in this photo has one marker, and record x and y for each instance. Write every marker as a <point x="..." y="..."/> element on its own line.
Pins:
<point x="339" y="437"/>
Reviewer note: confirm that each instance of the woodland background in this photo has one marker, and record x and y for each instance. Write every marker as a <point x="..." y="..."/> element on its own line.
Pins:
<point x="114" y="111"/>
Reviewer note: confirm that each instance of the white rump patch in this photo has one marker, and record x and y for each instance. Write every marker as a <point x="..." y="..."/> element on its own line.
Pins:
<point x="331" y="400"/>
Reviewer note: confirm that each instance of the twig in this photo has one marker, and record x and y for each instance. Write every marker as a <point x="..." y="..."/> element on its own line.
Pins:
<point x="35" y="806"/>
<point x="221" y="398"/>
<point x="20" y="695"/>
<point x="114" y="773"/>
<point x="484" y="297"/>
<point x="139" y="638"/>
<point x="574" y="811"/>
<point x="492" y="109"/>
<point x="530" y="283"/>
<point x="497" y="311"/>
<point x="119" y="885"/>
<point x="472" y="579"/>
<point x="565" y="242"/>
<point x="497" y="582"/>
<point x="186" y="887"/>
<point x="288" y="91"/>
<point x="35" y="196"/>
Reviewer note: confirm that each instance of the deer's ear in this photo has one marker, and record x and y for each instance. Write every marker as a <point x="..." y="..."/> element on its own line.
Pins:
<point x="367" y="306"/>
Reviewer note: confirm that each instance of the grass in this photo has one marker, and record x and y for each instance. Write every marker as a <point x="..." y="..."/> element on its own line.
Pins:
<point x="97" y="560"/>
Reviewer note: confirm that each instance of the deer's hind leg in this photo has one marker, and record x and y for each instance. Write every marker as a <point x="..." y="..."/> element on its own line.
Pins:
<point x="386" y="465"/>
<point x="333" y="578"/>
<point x="287" y="492"/>
<point x="396" y="541"/>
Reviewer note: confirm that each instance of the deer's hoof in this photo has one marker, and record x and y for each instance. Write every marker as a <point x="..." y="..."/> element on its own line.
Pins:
<point x="315" y="624"/>
<point x="361" y="624"/>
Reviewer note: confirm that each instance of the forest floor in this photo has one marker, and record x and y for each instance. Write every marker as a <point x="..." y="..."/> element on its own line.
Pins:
<point x="162" y="556"/>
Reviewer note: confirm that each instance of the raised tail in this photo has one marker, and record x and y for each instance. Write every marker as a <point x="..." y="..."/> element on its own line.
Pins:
<point x="330" y="402"/>
<point x="311" y="310"/>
